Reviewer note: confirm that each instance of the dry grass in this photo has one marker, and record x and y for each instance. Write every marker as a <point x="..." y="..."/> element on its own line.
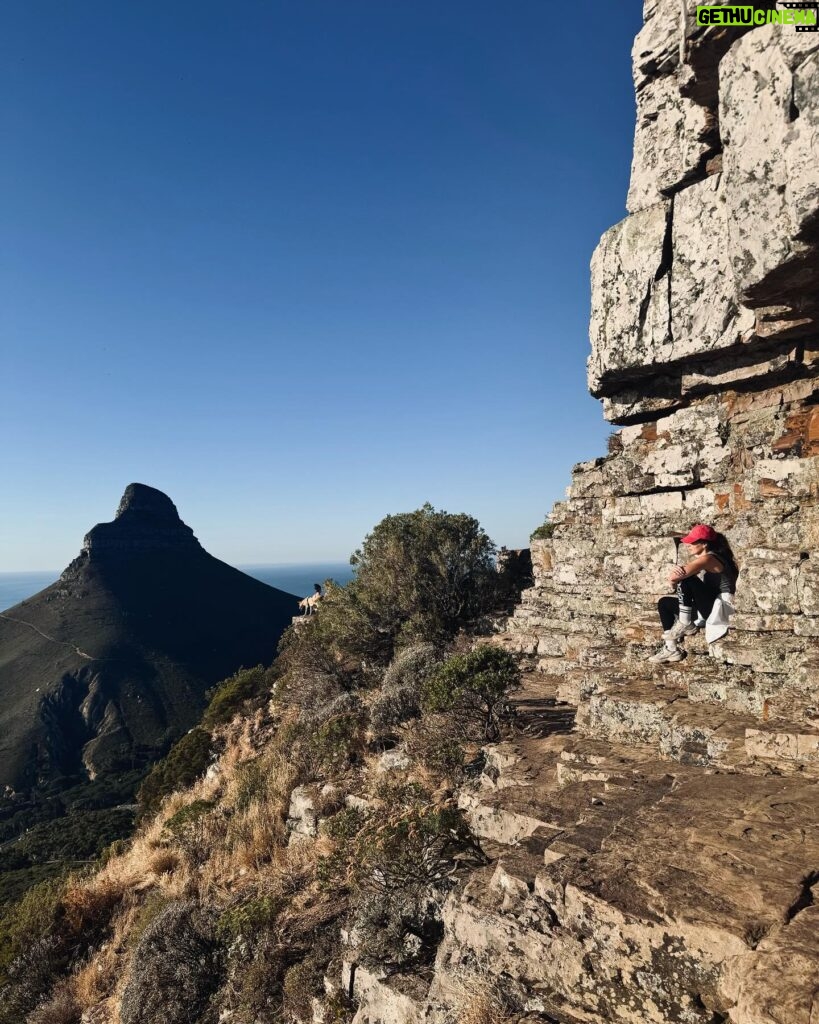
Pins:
<point x="477" y="1001"/>
<point x="61" y="1008"/>
<point x="164" y="862"/>
<point x="244" y="837"/>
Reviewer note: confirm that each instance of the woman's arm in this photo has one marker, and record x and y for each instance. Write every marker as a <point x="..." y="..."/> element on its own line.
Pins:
<point x="696" y="565"/>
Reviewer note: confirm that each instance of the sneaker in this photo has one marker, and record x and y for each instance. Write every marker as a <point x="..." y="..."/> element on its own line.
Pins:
<point x="665" y="655"/>
<point x="681" y="629"/>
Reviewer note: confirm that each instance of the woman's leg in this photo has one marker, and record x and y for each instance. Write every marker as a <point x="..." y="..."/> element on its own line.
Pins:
<point x="670" y="651"/>
<point x="668" y="607"/>
<point x="694" y="596"/>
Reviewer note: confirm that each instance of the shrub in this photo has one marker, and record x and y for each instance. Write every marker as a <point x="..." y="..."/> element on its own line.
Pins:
<point x="315" y="659"/>
<point x="155" y="902"/>
<point x="402" y="865"/>
<point x="331" y="737"/>
<point x="301" y="985"/>
<point x="422" y="575"/>
<point x="343" y="828"/>
<point x="186" y="761"/>
<point x="29" y="978"/>
<point x="337" y="744"/>
<point x="250" y="917"/>
<point x="411" y="667"/>
<point x="189" y="829"/>
<point x="475" y="685"/>
<point x="544" y="531"/>
<point x="187" y="816"/>
<point x="398" y="701"/>
<point x="53" y="925"/>
<point x="339" y="1009"/>
<point x="87" y="909"/>
<point x="35" y="917"/>
<point x="256" y="989"/>
<point x="397" y="929"/>
<point x="390" y="710"/>
<point x="230" y="696"/>
<point x="414" y="849"/>
<point x="61" y="1008"/>
<point x="432" y="743"/>
<point x="176" y="968"/>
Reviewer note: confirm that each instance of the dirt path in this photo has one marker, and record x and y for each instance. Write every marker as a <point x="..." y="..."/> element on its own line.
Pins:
<point x="51" y="639"/>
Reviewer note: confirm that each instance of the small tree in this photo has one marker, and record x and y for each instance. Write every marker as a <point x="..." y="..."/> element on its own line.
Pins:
<point x="423" y="576"/>
<point x="475" y="685"/>
<point x="420" y="577"/>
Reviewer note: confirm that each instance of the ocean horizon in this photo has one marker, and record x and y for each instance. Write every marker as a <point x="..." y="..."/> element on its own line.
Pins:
<point x="293" y="577"/>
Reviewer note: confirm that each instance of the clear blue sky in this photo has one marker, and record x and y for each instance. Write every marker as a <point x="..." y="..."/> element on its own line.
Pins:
<point x="300" y="264"/>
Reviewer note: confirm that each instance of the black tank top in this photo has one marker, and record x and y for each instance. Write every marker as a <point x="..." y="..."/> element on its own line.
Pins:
<point x="725" y="581"/>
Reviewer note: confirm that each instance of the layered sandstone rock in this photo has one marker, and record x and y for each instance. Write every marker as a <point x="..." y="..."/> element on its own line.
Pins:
<point x="659" y="861"/>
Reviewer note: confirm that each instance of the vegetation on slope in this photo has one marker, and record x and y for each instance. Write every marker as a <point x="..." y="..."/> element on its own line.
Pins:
<point x="316" y="796"/>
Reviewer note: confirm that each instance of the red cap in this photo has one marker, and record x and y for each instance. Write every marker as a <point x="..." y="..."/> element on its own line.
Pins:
<point x="699" y="533"/>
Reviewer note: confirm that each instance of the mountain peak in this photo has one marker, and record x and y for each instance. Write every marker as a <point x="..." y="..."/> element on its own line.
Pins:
<point x="101" y="670"/>
<point x="145" y="500"/>
<point x="146" y="520"/>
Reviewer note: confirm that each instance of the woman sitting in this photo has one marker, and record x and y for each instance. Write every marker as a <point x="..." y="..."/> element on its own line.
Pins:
<point x="706" y="601"/>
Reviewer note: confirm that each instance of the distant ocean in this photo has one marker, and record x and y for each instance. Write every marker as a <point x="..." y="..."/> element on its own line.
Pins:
<point x="295" y="578"/>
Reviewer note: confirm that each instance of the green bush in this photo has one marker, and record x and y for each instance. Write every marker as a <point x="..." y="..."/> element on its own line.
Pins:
<point x="175" y="969"/>
<point x="302" y="983"/>
<point x="155" y="902"/>
<point x="187" y="816"/>
<point x="186" y="761"/>
<point x="544" y="531"/>
<point x="420" y="576"/>
<point x="474" y="685"/>
<point x="432" y="742"/>
<point x="230" y="696"/>
<point x="402" y="864"/>
<point x="423" y="575"/>
<point x="398" y="700"/>
<point x="337" y="744"/>
<point x="34" y="917"/>
<point x="250" y="918"/>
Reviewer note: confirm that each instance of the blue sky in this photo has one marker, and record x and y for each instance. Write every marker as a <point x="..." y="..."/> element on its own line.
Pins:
<point x="300" y="264"/>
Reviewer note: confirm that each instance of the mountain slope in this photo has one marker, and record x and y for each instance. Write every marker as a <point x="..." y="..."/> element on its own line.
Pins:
<point x="99" y="671"/>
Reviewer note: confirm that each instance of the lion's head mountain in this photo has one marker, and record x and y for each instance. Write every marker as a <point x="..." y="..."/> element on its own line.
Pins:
<point x="102" y="670"/>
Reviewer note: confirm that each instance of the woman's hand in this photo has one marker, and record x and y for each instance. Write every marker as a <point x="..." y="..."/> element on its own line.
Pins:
<point x="677" y="573"/>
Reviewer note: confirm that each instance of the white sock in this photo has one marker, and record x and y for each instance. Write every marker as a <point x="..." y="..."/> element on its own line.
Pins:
<point x="686" y="614"/>
<point x="670" y="645"/>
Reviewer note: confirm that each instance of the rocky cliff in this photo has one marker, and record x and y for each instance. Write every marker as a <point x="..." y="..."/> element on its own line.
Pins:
<point x="660" y="862"/>
<point x="99" y="672"/>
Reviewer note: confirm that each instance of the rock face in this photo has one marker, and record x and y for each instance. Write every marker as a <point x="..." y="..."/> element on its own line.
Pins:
<point x="99" y="672"/>
<point x="712" y="279"/>
<point x="659" y="861"/>
<point x="146" y="520"/>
